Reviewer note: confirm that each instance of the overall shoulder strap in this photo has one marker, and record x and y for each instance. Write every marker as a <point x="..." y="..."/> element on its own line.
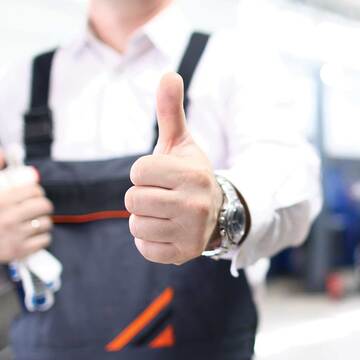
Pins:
<point x="38" y="124"/>
<point x="191" y="60"/>
<point x="188" y="66"/>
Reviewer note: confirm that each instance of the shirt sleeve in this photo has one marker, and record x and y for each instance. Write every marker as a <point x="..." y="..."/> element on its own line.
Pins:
<point x="271" y="164"/>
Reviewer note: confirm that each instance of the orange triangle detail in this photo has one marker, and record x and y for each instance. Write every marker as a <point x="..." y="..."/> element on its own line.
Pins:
<point x="150" y="313"/>
<point x="165" y="339"/>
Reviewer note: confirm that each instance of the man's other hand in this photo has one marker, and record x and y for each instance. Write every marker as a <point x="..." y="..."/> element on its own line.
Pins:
<point x="25" y="222"/>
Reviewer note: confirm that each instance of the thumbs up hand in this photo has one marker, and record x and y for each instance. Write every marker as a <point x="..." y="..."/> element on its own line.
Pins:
<point x="175" y="200"/>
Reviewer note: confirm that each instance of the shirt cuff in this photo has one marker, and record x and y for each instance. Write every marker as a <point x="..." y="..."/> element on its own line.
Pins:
<point x="260" y="203"/>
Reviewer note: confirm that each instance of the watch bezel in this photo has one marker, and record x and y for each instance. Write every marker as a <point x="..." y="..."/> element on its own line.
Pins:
<point x="235" y="237"/>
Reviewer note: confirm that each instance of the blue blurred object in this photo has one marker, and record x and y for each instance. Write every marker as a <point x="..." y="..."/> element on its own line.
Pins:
<point x="342" y="192"/>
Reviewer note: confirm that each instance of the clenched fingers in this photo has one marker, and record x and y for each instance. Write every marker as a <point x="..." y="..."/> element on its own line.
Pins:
<point x="153" y="229"/>
<point x="18" y="195"/>
<point x="43" y="225"/>
<point x="160" y="171"/>
<point x="152" y="202"/>
<point x="34" y="244"/>
<point x="33" y="209"/>
<point x="157" y="252"/>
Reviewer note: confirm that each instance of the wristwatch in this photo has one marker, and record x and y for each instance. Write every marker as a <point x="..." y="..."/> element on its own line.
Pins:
<point x="233" y="221"/>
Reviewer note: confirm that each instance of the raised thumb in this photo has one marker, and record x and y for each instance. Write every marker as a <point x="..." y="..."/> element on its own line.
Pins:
<point x="170" y="112"/>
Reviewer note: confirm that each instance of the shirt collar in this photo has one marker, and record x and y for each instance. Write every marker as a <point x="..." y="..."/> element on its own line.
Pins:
<point x="168" y="32"/>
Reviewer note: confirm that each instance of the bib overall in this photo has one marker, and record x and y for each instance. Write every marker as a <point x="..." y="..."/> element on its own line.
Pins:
<point x="114" y="304"/>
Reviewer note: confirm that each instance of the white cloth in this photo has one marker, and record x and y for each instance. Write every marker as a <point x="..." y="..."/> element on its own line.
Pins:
<point x="241" y="114"/>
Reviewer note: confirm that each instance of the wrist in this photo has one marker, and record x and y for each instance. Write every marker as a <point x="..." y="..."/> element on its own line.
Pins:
<point x="234" y="221"/>
<point x="215" y="238"/>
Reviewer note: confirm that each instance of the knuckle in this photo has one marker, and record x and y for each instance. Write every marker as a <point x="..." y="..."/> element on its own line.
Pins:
<point x="138" y="170"/>
<point x="41" y="205"/>
<point x="135" y="173"/>
<point x="47" y="206"/>
<point x="47" y="223"/>
<point x="42" y="241"/>
<point x="134" y="226"/>
<point x="203" y="208"/>
<point x="204" y="179"/>
<point x="129" y="199"/>
<point x="47" y="239"/>
<point x="189" y="176"/>
<point x="38" y="190"/>
<point x="144" y="250"/>
<point x="51" y="206"/>
<point x="199" y="208"/>
<point x="199" y="177"/>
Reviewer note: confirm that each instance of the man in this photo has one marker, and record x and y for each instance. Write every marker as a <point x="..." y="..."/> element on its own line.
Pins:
<point x="89" y="124"/>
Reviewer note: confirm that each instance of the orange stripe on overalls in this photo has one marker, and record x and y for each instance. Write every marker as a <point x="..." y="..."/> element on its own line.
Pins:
<point x="97" y="216"/>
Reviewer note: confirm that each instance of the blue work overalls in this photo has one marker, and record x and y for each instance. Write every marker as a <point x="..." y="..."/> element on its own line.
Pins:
<point x="114" y="304"/>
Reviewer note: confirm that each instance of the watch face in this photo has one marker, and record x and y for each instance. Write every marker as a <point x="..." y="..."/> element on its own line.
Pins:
<point x="236" y="223"/>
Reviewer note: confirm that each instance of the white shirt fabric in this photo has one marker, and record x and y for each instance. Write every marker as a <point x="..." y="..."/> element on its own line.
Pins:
<point x="241" y="113"/>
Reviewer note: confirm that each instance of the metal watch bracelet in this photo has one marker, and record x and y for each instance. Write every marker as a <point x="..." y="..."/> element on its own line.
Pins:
<point x="231" y="221"/>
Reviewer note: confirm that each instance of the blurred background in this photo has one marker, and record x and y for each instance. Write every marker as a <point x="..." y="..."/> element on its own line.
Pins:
<point x="310" y="303"/>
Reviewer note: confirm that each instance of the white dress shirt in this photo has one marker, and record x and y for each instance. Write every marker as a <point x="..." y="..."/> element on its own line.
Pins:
<point x="241" y="114"/>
